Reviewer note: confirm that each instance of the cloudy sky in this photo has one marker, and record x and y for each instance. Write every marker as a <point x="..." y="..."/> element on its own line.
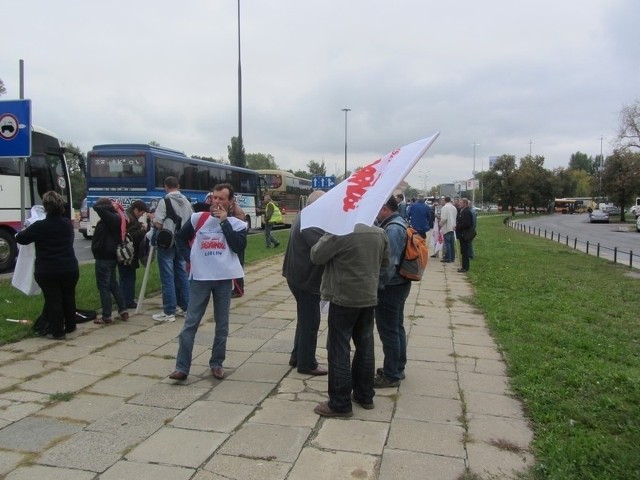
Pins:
<point x="547" y="77"/>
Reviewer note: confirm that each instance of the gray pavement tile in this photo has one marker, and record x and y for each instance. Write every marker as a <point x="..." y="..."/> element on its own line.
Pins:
<point x="352" y="436"/>
<point x="434" y="383"/>
<point x="491" y="430"/>
<point x="482" y="365"/>
<point x="60" y="381"/>
<point x="150" y="366"/>
<point x="276" y="411"/>
<point x="273" y="323"/>
<point x="321" y="465"/>
<point x="278" y="344"/>
<point x="37" y="472"/>
<point x="244" y="344"/>
<point x="153" y="337"/>
<point x="9" y="461"/>
<point x="122" y="385"/>
<point x="420" y="330"/>
<point x="27" y="368"/>
<point x="479" y="382"/>
<point x="33" y="434"/>
<point x="133" y="420"/>
<point x="127" y="349"/>
<point x="83" y="407"/>
<point x="16" y="410"/>
<point x="254" y="332"/>
<point x="166" y="395"/>
<point x="291" y="385"/>
<point x="63" y="352"/>
<point x="236" y="391"/>
<point x="276" y="358"/>
<point x="28" y="345"/>
<point x="9" y="382"/>
<point x="429" y="409"/>
<point x="233" y="359"/>
<point x="25" y="396"/>
<point x="97" y="365"/>
<point x="213" y="416"/>
<point x="176" y="446"/>
<point x="491" y="462"/>
<point x="143" y="471"/>
<point x="7" y="356"/>
<point x="427" y="437"/>
<point x="259" y="372"/>
<point x="438" y="355"/>
<point x="402" y="465"/>
<point x="239" y="468"/>
<point x="478" y="352"/>
<point x="440" y="343"/>
<point x="240" y="318"/>
<point x="93" y="451"/>
<point x="266" y="442"/>
<point x="478" y="336"/>
<point x="492" y="404"/>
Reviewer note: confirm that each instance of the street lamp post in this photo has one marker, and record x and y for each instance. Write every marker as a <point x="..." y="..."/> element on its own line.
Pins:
<point x="473" y="190"/>
<point x="601" y="165"/>
<point x="240" y="143"/>
<point x="345" y="110"/>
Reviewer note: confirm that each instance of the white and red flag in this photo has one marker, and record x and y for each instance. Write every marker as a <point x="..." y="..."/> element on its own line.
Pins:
<point x="359" y="199"/>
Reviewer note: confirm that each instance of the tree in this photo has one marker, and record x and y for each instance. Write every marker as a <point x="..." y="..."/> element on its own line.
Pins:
<point x="621" y="177"/>
<point x="302" y="174"/>
<point x="209" y="159"/>
<point x="580" y="161"/>
<point x="535" y="182"/>
<point x="3" y="90"/>
<point x="153" y="143"/>
<point x="502" y="183"/>
<point x="261" y="161"/>
<point x="629" y="129"/>
<point x="236" y="153"/>
<point x="317" y="169"/>
<point x="76" y="173"/>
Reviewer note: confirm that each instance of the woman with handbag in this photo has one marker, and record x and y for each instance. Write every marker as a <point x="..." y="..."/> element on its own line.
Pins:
<point x="56" y="267"/>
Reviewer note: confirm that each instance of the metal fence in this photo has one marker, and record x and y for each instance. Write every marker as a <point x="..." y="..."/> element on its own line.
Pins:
<point x="615" y="255"/>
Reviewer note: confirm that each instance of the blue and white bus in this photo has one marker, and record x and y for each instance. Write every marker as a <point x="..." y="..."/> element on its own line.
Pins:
<point x="128" y="172"/>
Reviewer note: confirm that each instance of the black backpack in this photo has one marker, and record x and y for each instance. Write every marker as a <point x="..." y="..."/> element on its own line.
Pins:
<point x="165" y="237"/>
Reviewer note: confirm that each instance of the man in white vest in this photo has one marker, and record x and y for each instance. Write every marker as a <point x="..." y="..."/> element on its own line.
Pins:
<point x="214" y="263"/>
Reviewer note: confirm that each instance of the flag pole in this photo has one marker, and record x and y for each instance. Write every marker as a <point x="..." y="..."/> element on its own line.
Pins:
<point x="143" y="288"/>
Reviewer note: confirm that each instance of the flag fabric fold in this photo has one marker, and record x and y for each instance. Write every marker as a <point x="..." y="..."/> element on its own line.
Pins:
<point x="360" y="197"/>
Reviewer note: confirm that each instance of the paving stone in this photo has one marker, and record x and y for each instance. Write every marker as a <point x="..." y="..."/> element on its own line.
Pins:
<point x="97" y="365"/>
<point x="18" y="410"/>
<point x="277" y="411"/>
<point x="489" y="428"/>
<point x="480" y="382"/>
<point x="213" y="416"/>
<point x="422" y="380"/>
<point x="122" y="385"/>
<point x="235" y="391"/>
<point x="352" y="436"/>
<point x="429" y="409"/>
<point x="239" y="468"/>
<point x="401" y="465"/>
<point x="133" y="420"/>
<point x="143" y="471"/>
<point x="321" y="465"/>
<point x="127" y="349"/>
<point x="33" y="434"/>
<point x="427" y="437"/>
<point x="474" y="351"/>
<point x="83" y="407"/>
<point x="266" y="442"/>
<point x="64" y="352"/>
<point x="27" y="368"/>
<point x="254" y="332"/>
<point x="150" y="366"/>
<point x="492" y="404"/>
<point x="8" y="382"/>
<point x="244" y="344"/>
<point x="25" y="396"/>
<point x="176" y="446"/>
<point x="258" y="372"/>
<point x="165" y="395"/>
<point x="59" y="381"/>
<point x="491" y="462"/>
<point x="37" y="472"/>
<point x="9" y="461"/>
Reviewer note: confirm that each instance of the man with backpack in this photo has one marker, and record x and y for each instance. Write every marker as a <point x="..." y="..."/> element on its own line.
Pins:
<point x="137" y="232"/>
<point x="171" y="213"/>
<point x="393" y="290"/>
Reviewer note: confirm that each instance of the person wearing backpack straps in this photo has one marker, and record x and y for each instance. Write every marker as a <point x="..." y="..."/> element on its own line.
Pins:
<point x="173" y="272"/>
<point x="127" y="273"/>
<point x="393" y="290"/>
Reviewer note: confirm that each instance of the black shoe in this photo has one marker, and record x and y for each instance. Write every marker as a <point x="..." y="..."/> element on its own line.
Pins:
<point x="365" y="405"/>
<point x="380" y="373"/>
<point x="382" y="381"/>
<point x="293" y="361"/>
<point x="462" y="270"/>
<point x="51" y="336"/>
<point x="70" y="330"/>
<point x="132" y="305"/>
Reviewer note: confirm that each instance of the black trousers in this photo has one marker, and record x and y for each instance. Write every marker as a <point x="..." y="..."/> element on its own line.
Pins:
<point x="59" y="290"/>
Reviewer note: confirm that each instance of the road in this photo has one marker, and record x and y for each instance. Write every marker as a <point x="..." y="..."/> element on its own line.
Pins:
<point x="608" y="235"/>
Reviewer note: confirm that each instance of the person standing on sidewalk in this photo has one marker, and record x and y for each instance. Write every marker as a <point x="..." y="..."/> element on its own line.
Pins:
<point x="464" y="223"/>
<point x="421" y="217"/>
<point x="56" y="266"/>
<point x="137" y="232"/>
<point x="448" y="215"/>
<point x="350" y="283"/>
<point x="393" y="290"/>
<point x="214" y="263"/>
<point x="304" y="278"/>
<point x="173" y="273"/>
<point x="272" y="215"/>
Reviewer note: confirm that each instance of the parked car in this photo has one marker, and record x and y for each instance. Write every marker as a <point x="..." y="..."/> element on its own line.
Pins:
<point x="610" y="208"/>
<point x="599" y="216"/>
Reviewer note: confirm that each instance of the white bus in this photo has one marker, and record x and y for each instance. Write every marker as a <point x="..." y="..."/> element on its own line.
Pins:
<point x="45" y="170"/>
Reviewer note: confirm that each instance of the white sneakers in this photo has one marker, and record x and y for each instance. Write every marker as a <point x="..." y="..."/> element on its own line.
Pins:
<point x="163" y="317"/>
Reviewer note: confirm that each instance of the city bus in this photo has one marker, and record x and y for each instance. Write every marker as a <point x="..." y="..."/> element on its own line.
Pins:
<point x="574" y="205"/>
<point x="129" y="172"/>
<point x="45" y="170"/>
<point x="286" y="190"/>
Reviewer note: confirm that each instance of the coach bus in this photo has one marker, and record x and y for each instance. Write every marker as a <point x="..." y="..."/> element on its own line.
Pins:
<point x="45" y="170"/>
<point x="574" y="205"/>
<point x="129" y="172"/>
<point x="286" y="190"/>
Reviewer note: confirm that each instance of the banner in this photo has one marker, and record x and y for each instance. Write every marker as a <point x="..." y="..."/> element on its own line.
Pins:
<point x="360" y="197"/>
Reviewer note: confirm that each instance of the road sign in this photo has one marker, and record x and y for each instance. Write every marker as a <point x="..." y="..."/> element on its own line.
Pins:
<point x="15" y="128"/>
<point x="324" y="183"/>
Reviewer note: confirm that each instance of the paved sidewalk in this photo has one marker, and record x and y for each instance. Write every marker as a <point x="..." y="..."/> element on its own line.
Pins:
<point x="125" y="419"/>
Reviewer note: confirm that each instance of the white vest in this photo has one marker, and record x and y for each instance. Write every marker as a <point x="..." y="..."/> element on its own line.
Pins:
<point x="211" y="257"/>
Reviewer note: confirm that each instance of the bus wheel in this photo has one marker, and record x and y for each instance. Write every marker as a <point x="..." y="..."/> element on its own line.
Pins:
<point x="8" y="250"/>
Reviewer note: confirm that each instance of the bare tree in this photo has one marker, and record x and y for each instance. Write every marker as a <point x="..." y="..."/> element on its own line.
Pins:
<point x="629" y="129"/>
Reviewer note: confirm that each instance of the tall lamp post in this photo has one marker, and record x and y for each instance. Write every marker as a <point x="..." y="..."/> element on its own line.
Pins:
<point x="601" y="165"/>
<point x="345" y="110"/>
<point x="473" y="190"/>
<point x="240" y="143"/>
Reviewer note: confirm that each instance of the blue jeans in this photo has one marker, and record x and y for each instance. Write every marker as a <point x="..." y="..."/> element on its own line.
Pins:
<point x="269" y="239"/>
<point x="308" y="322"/>
<point x="174" y="280"/>
<point x="201" y="290"/>
<point x="346" y="324"/>
<point x="390" y="325"/>
<point x="127" y="275"/>
<point x="108" y="285"/>
<point x="449" y="246"/>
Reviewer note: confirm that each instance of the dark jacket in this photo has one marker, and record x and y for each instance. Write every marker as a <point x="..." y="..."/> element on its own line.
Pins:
<point x="107" y="235"/>
<point x="53" y="237"/>
<point x="464" y="221"/>
<point x="137" y="234"/>
<point x="297" y="267"/>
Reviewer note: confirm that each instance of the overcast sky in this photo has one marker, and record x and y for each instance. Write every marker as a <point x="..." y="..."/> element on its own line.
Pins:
<point x="547" y="77"/>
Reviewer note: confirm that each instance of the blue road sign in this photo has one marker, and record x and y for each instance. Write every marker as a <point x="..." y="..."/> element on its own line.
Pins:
<point x="15" y="128"/>
<point x="323" y="183"/>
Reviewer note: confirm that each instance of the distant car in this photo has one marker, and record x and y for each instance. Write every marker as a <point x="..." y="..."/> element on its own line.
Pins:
<point x="491" y="208"/>
<point x="599" y="216"/>
<point x="610" y="209"/>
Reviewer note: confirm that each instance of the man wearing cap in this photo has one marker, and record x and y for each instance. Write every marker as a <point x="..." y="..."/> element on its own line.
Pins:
<point x="137" y="232"/>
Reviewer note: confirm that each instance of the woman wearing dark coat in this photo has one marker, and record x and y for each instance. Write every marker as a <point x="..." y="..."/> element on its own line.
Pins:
<point x="56" y="267"/>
